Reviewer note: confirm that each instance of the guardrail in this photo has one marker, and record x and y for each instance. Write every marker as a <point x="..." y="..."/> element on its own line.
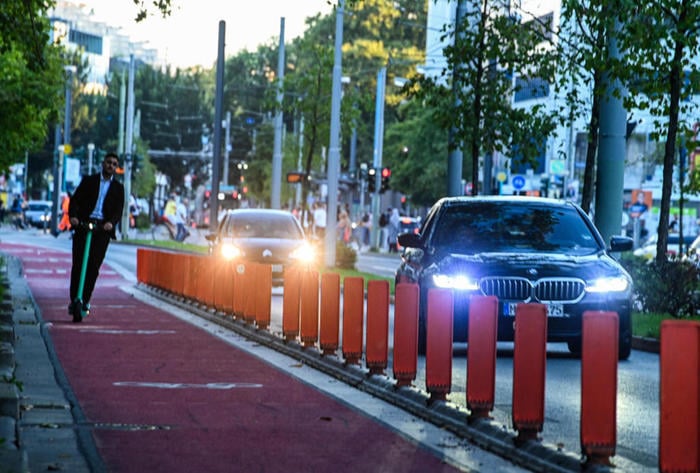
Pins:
<point x="311" y="314"/>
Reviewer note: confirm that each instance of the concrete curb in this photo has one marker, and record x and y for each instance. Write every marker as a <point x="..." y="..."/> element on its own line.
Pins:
<point x="13" y="458"/>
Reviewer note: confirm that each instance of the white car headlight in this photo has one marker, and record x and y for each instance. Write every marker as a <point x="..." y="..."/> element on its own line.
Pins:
<point x="608" y="284"/>
<point x="230" y="251"/>
<point x="304" y="254"/>
<point x="458" y="282"/>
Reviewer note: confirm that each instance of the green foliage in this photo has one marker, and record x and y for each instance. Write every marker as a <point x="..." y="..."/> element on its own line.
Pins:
<point x="31" y="79"/>
<point x="668" y="287"/>
<point x="345" y="257"/>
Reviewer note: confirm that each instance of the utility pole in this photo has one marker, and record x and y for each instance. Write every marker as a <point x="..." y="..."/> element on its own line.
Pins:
<point x="227" y="146"/>
<point x="218" y="111"/>
<point x="611" y="155"/>
<point x="276" y="184"/>
<point x="129" y="148"/>
<point x="454" y="159"/>
<point x="334" y="145"/>
<point x="378" y="152"/>
<point x="60" y="150"/>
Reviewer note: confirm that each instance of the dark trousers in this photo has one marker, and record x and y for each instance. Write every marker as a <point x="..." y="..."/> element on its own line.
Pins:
<point x="98" y="249"/>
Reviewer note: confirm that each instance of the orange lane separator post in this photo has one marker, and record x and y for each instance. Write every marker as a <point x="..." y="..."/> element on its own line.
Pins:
<point x="679" y="426"/>
<point x="599" y="353"/>
<point x="353" y="318"/>
<point x="290" y="303"/>
<point x="141" y="263"/>
<point x="239" y="289"/>
<point x="481" y="356"/>
<point x="249" y="291"/>
<point x="227" y="274"/>
<point x="438" y="352"/>
<point x="309" y="308"/>
<point x="198" y="279"/>
<point x="377" y="326"/>
<point x="189" y="277"/>
<point x="405" y="333"/>
<point x="263" y="296"/>
<point x="183" y="264"/>
<point x="219" y="284"/>
<point x="529" y="369"/>
<point x="170" y="268"/>
<point x="330" y="313"/>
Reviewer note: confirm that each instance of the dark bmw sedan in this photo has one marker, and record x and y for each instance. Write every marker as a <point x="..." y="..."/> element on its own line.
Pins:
<point x="265" y="236"/>
<point x="519" y="249"/>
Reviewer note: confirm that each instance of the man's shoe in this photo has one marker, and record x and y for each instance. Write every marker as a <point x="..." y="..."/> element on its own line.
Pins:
<point x="85" y="311"/>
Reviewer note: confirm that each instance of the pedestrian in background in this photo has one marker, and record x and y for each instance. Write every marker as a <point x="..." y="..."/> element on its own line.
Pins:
<point x="98" y="199"/>
<point x="64" y="224"/>
<point x="393" y="230"/>
<point x="320" y="220"/>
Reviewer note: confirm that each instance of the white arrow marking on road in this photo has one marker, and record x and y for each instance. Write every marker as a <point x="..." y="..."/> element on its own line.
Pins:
<point x="137" y="384"/>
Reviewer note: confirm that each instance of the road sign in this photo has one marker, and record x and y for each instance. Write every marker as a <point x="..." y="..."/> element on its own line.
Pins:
<point x="518" y="182"/>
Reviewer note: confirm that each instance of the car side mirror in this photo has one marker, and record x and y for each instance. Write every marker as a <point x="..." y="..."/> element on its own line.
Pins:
<point x="409" y="240"/>
<point x="621" y="243"/>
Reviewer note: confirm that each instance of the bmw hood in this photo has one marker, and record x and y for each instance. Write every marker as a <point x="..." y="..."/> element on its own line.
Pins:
<point x="530" y="266"/>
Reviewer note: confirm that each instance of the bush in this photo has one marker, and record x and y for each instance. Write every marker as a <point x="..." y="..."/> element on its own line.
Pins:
<point x="345" y="257"/>
<point x="143" y="222"/>
<point x="671" y="287"/>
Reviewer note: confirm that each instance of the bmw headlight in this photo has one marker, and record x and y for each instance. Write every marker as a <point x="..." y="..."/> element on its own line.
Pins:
<point x="304" y="254"/>
<point x="608" y="284"/>
<point x="230" y="251"/>
<point x="459" y="282"/>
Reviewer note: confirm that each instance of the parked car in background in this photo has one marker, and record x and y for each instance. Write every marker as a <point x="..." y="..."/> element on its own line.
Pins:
<point x="266" y="236"/>
<point x="648" y="249"/>
<point x="38" y="213"/>
<point x="408" y="225"/>
<point x="519" y="249"/>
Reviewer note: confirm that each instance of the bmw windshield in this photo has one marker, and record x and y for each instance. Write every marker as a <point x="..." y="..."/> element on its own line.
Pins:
<point x="488" y="227"/>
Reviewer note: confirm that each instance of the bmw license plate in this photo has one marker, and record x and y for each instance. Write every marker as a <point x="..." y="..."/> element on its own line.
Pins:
<point x="276" y="268"/>
<point x="554" y="309"/>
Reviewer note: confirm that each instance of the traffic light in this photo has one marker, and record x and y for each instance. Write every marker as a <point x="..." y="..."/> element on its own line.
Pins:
<point x="371" y="180"/>
<point x="386" y="175"/>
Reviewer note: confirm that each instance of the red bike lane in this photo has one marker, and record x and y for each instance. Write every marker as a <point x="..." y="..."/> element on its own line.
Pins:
<point x="159" y="394"/>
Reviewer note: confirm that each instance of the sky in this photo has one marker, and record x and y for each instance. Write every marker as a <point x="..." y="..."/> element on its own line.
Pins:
<point x="190" y="35"/>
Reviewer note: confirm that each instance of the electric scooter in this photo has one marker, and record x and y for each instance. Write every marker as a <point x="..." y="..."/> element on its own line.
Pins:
<point x="79" y="309"/>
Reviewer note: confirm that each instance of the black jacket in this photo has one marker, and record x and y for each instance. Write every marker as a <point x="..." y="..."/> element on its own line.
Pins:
<point x="84" y="199"/>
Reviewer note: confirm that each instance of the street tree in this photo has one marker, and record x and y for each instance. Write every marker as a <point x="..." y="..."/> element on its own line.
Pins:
<point x="661" y="40"/>
<point x="31" y="79"/>
<point x="492" y="55"/>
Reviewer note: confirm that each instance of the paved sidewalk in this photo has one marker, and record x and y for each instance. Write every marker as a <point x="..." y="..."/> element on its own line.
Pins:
<point x="138" y="387"/>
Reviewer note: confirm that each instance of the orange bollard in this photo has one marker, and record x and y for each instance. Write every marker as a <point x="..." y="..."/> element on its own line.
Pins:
<point x="438" y="353"/>
<point x="182" y="264"/>
<point x="406" y="333"/>
<point x="190" y="281"/>
<point x="353" y="318"/>
<point x="599" y="386"/>
<point x="249" y="276"/>
<point x="377" y="326"/>
<point x="220" y="284"/>
<point x="290" y="303"/>
<point x="529" y="368"/>
<point x="263" y="295"/>
<point x="206" y="288"/>
<point x="141" y="265"/>
<point x="329" y="325"/>
<point x="227" y="275"/>
<point x="679" y="430"/>
<point x="308" y="329"/>
<point x="239" y="289"/>
<point x="481" y="356"/>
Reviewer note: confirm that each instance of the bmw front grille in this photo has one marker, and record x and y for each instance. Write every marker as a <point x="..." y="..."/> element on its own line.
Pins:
<point x="565" y="290"/>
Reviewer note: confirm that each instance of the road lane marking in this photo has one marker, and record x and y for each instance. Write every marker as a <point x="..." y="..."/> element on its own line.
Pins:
<point x="219" y="386"/>
<point x="130" y="332"/>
